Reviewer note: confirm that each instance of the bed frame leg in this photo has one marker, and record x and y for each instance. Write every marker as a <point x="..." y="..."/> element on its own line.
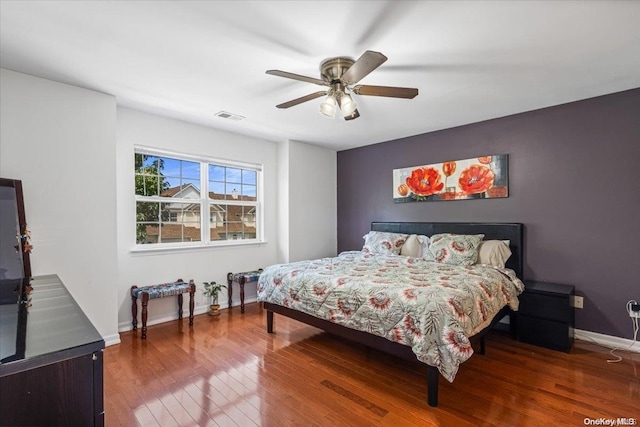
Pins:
<point x="270" y="321"/>
<point x="432" y="386"/>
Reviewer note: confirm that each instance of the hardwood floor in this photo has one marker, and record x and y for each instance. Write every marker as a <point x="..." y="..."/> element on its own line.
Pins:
<point x="230" y="372"/>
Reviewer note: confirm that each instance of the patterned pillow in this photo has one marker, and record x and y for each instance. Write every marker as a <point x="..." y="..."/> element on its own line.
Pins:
<point x="378" y="242"/>
<point x="457" y="249"/>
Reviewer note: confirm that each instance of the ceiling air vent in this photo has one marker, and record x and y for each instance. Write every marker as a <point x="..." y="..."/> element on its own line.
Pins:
<point x="229" y="116"/>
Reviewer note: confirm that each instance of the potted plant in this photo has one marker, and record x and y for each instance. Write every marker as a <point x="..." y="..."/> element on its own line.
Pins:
<point x="211" y="289"/>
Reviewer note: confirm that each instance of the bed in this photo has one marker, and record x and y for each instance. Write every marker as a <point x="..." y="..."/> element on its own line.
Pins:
<point x="411" y="307"/>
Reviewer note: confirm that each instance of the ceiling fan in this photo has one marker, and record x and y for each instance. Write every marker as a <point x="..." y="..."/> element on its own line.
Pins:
<point x="340" y="74"/>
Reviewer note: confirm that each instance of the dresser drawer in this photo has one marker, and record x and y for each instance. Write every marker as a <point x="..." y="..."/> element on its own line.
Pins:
<point x="546" y="306"/>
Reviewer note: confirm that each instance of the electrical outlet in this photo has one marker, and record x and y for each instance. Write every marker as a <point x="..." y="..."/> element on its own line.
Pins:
<point x="635" y="311"/>
<point x="577" y="301"/>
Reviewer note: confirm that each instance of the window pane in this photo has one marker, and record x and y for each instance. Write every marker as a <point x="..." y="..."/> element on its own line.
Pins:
<point x="147" y="233"/>
<point x="190" y="170"/>
<point x="217" y="188"/>
<point x="138" y="160"/>
<point x="147" y="215"/>
<point x="171" y="167"/>
<point x="146" y="175"/>
<point x="249" y="192"/>
<point x="249" y="177"/>
<point x="180" y="222"/>
<point x="151" y="162"/>
<point x="172" y="176"/>
<point x="147" y="211"/>
<point x="232" y="222"/>
<point x="216" y="173"/>
<point x="233" y="175"/>
<point x="217" y="231"/>
<point x="146" y="185"/>
<point x="232" y="191"/>
<point x="193" y="188"/>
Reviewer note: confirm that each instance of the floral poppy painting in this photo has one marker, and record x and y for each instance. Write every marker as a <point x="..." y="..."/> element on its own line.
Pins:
<point x="483" y="177"/>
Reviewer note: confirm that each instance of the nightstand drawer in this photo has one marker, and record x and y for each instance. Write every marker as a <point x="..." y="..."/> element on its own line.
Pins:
<point x="546" y="306"/>
<point x="545" y="333"/>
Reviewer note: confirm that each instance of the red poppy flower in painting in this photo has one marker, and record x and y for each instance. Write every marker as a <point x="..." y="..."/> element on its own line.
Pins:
<point x="485" y="160"/>
<point x="449" y="168"/>
<point x="425" y="181"/>
<point x="476" y="179"/>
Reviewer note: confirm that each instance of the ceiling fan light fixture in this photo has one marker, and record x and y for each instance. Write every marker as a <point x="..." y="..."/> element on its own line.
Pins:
<point x="328" y="106"/>
<point x="347" y="105"/>
<point x="340" y="75"/>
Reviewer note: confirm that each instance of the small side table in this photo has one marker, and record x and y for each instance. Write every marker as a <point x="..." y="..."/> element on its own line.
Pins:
<point x="241" y="279"/>
<point x="545" y="316"/>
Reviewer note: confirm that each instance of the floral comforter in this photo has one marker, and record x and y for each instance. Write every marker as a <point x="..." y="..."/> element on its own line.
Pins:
<point x="433" y="308"/>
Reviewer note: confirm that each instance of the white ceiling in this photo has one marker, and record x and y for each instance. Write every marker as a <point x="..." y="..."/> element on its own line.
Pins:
<point x="471" y="61"/>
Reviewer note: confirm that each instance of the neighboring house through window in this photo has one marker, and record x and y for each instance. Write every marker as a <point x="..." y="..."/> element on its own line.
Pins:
<point x="184" y="200"/>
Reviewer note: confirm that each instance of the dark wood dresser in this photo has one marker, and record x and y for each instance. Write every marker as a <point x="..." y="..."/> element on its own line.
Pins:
<point x="545" y="315"/>
<point x="50" y="361"/>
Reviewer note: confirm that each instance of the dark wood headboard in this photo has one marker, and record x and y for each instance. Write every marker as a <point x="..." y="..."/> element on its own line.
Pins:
<point x="514" y="232"/>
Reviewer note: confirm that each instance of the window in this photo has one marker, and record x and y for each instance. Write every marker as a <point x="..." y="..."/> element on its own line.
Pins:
<point x="184" y="200"/>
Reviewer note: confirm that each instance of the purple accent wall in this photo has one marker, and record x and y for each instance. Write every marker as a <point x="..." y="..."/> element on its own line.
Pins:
<point x="574" y="181"/>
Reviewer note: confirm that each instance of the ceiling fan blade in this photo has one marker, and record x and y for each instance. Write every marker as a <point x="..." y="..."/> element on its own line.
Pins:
<point x="302" y="99"/>
<point x="293" y="76"/>
<point x="368" y="62"/>
<point x="353" y="116"/>
<point x="390" y="91"/>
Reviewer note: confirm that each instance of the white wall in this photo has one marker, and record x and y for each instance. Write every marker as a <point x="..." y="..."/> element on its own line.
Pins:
<point x="312" y="198"/>
<point x="73" y="150"/>
<point x="137" y="128"/>
<point x="283" y="201"/>
<point x="60" y="141"/>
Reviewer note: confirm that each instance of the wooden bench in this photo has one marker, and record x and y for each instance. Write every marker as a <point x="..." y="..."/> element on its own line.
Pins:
<point x="178" y="288"/>
<point x="241" y="279"/>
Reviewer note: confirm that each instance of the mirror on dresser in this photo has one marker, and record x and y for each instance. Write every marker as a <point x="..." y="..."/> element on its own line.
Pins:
<point x="15" y="266"/>
<point x="15" y="270"/>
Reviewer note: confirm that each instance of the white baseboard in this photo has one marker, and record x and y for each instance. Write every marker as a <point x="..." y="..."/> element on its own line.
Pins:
<point x="111" y="339"/>
<point x="202" y="309"/>
<point x="608" y="341"/>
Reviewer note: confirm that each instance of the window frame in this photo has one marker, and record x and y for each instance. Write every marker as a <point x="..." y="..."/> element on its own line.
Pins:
<point x="204" y="201"/>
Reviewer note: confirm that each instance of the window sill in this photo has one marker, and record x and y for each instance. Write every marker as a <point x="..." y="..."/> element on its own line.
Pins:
<point x="156" y="249"/>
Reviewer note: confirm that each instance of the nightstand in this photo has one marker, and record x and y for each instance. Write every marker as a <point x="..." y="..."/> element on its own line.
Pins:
<point x="545" y="315"/>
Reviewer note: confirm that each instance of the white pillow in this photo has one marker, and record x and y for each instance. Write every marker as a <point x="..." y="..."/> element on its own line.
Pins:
<point x="493" y="252"/>
<point x="412" y="247"/>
